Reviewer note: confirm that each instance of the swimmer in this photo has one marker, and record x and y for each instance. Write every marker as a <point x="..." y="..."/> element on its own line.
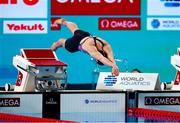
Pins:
<point x="83" y="41"/>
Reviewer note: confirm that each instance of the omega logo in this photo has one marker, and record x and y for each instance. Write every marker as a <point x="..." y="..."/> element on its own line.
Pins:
<point x="93" y="1"/>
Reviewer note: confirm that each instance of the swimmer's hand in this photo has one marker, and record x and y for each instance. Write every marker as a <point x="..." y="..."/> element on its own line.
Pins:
<point x="115" y="70"/>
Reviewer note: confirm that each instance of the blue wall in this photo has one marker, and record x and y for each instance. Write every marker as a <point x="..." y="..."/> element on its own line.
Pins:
<point x="150" y="51"/>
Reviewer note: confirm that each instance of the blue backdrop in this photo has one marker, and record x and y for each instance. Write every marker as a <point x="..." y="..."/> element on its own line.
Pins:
<point x="149" y="51"/>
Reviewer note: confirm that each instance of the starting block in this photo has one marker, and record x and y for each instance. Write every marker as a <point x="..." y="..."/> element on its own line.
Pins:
<point x="39" y="70"/>
<point x="175" y="61"/>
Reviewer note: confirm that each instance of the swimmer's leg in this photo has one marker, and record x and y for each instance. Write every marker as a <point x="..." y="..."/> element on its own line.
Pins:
<point x="70" y="25"/>
<point x="58" y="44"/>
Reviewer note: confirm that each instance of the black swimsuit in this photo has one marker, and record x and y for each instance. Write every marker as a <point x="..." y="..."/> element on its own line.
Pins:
<point x="73" y="43"/>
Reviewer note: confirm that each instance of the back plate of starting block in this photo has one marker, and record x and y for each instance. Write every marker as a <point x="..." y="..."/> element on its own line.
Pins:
<point x="38" y="54"/>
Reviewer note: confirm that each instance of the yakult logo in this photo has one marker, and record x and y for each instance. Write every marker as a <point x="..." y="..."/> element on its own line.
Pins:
<point x="119" y="24"/>
<point x="18" y="27"/>
<point x="94" y="7"/>
<point x="27" y="2"/>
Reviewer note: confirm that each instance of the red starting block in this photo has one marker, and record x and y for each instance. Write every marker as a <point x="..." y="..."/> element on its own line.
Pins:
<point x="175" y="61"/>
<point x="39" y="70"/>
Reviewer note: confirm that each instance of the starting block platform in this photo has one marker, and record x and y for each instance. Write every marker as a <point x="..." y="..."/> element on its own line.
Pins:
<point x="39" y="70"/>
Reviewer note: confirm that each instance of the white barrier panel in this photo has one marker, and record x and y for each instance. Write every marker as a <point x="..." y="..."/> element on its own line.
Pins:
<point x="93" y="107"/>
<point x="128" y="81"/>
<point x="165" y="101"/>
<point x="22" y="104"/>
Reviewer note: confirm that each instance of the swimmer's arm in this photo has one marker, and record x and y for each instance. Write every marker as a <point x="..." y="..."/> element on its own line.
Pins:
<point x="107" y="48"/>
<point x="98" y="56"/>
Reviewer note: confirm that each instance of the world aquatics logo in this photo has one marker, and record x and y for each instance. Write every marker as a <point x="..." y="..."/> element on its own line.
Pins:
<point x="171" y="3"/>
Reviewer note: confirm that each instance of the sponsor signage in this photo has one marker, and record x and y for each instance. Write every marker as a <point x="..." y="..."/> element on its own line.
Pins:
<point x="93" y="102"/>
<point x="23" y="8"/>
<point x="51" y="101"/>
<point x="162" y="100"/>
<point x="125" y="81"/>
<point x="87" y="101"/>
<point x="95" y="7"/>
<point x="166" y="101"/>
<point x="51" y="105"/>
<point x="91" y="107"/>
<point x="27" y="2"/>
<point x="110" y="80"/>
<point x="119" y="24"/>
<point x="27" y="27"/>
<point x="55" y="26"/>
<point x="9" y="102"/>
<point x="163" y="24"/>
<point x="163" y="7"/>
<point x="26" y="104"/>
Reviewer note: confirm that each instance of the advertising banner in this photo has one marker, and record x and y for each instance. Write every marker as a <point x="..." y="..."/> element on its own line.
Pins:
<point x="21" y="104"/>
<point x="128" y="81"/>
<point x="119" y="24"/>
<point x="23" y="9"/>
<point x="25" y="27"/>
<point x="160" y="101"/>
<point x="95" y="7"/>
<point x="163" y="7"/>
<point x="91" y="107"/>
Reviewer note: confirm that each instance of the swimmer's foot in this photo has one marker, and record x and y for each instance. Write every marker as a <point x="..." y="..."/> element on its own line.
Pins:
<point x="60" y="21"/>
<point x="54" y="46"/>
